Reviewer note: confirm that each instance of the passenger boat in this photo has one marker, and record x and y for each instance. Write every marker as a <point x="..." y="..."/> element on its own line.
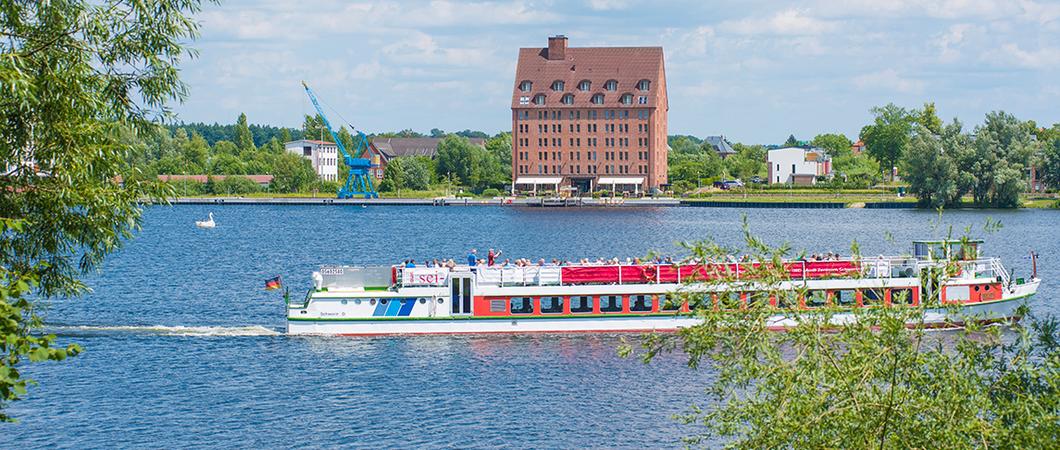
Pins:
<point x="379" y="300"/>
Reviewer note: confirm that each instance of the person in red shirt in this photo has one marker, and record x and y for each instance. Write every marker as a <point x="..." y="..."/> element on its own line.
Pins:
<point x="491" y="257"/>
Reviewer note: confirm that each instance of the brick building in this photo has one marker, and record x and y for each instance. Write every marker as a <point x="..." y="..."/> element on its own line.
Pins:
<point x="589" y="118"/>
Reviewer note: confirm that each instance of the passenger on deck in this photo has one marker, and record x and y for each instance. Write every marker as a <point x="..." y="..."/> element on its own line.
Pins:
<point x="507" y="263"/>
<point x="409" y="263"/>
<point x="491" y="257"/>
<point x="472" y="258"/>
<point x="450" y="264"/>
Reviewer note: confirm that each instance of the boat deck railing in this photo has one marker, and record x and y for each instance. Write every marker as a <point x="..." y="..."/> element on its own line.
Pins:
<point x="581" y="274"/>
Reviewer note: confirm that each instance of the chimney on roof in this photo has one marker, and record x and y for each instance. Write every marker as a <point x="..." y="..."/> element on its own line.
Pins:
<point x="557" y="47"/>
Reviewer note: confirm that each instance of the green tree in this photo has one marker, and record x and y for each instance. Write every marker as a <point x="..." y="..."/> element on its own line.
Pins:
<point x="226" y="164"/>
<point x="748" y="162"/>
<point x="932" y="173"/>
<point x="292" y="173"/>
<point x="835" y="144"/>
<point x="695" y="167"/>
<point x="992" y="168"/>
<point x="457" y="156"/>
<point x="285" y="136"/>
<point x="791" y="142"/>
<point x="313" y="128"/>
<point x="928" y="118"/>
<point x="393" y="176"/>
<point x="857" y="170"/>
<point x="888" y="135"/>
<point x="500" y="146"/>
<point x="418" y="170"/>
<point x="1049" y="169"/>
<point x="76" y="76"/>
<point x="244" y="139"/>
<point x="225" y="148"/>
<point x="235" y="185"/>
<point x="880" y="380"/>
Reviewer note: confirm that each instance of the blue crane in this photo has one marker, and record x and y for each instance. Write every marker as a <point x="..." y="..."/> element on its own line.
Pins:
<point x="358" y="182"/>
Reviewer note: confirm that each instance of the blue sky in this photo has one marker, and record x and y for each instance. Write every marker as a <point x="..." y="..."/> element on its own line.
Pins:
<point x="754" y="71"/>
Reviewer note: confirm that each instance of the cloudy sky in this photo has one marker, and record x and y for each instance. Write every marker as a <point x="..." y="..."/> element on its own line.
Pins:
<point x="752" y="70"/>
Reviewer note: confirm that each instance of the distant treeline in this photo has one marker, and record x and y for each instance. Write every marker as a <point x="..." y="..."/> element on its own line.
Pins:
<point x="262" y="134"/>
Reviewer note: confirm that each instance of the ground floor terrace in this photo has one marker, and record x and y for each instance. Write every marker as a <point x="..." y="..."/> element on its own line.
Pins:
<point x="576" y="185"/>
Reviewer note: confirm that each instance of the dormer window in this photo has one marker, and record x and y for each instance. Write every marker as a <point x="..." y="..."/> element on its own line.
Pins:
<point x="598" y="99"/>
<point x="584" y="85"/>
<point x="643" y="85"/>
<point x="611" y="85"/>
<point x="539" y="99"/>
<point x="626" y="99"/>
<point x="568" y="99"/>
<point x="526" y="86"/>
<point x="557" y="86"/>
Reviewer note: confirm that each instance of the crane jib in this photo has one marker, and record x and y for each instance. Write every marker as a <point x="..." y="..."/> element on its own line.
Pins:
<point x="358" y="182"/>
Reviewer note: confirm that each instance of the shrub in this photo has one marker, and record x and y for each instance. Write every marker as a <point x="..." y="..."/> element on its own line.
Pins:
<point x="492" y="192"/>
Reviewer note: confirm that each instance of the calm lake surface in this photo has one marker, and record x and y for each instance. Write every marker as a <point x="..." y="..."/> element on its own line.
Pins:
<point x="183" y="348"/>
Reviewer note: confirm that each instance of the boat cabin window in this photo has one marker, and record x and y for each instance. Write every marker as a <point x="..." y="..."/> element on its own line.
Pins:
<point x="640" y="303"/>
<point x="696" y="300"/>
<point x="729" y="300"/>
<point x="522" y="305"/>
<point x="610" y="303"/>
<point x="669" y="303"/>
<point x="872" y="297"/>
<point x="786" y="299"/>
<point x="757" y="299"/>
<point x="551" y="305"/>
<point x="845" y="297"/>
<point x="903" y="297"/>
<point x="816" y="299"/>
<point x="581" y="304"/>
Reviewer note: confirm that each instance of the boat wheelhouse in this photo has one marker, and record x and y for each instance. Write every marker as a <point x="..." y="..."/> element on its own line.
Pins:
<point x="373" y="300"/>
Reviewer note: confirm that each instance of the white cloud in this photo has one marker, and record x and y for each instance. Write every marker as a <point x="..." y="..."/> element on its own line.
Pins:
<point x="889" y="79"/>
<point x="950" y="42"/>
<point x="790" y="22"/>
<point x="608" y="5"/>
<point x="1032" y="59"/>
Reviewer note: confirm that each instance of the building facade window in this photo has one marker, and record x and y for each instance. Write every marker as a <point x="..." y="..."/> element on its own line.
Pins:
<point x="526" y="85"/>
<point x="539" y="99"/>
<point x="611" y="85"/>
<point x="643" y="85"/>
<point x="584" y="85"/>
<point x="597" y="99"/>
<point x="557" y="85"/>
<point x="626" y="99"/>
<point x="568" y="99"/>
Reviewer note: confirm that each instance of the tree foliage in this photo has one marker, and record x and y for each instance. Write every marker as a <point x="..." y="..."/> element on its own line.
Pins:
<point x="1049" y="168"/>
<point x="886" y="138"/>
<point x="83" y="82"/>
<point x="878" y="381"/>
<point x="835" y="144"/>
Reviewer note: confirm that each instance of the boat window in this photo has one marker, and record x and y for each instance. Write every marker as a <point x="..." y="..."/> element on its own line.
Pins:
<point x="872" y="297"/>
<point x="757" y="299"/>
<point x="551" y="305"/>
<point x="522" y="305"/>
<point x="697" y="300"/>
<point x="785" y="299"/>
<point x="815" y="299"/>
<point x="902" y="297"/>
<point x="729" y="300"/>
<point x="640" y="303"/>
<point x="581" y="304"/>
<point x="844" y="297"/>
<point x="610" y="303"/>
<point x="669" y="303"/>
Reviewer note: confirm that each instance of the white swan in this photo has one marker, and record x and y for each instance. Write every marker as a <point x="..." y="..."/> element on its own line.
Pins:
<point x="208" y="223"/>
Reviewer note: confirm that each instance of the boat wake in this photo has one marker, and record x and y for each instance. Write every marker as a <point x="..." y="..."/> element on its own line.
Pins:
<point x="94" y="330"/>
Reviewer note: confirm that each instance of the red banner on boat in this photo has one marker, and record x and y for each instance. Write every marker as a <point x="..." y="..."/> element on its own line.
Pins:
<point x="651" y="273"/>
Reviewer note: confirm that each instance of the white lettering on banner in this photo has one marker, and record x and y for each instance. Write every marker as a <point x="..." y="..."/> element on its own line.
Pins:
<point x="424" y="276"/>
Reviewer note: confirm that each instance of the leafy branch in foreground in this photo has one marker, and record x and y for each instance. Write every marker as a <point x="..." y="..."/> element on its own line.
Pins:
<point x="77" y="76"/>
<point x="878" y="381"/>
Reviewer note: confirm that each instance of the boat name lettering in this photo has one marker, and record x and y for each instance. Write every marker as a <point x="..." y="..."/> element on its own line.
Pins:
<point x="331" y="271"/>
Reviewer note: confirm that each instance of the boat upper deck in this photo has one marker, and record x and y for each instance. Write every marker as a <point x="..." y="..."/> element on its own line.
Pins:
<point x="393" y="277"/>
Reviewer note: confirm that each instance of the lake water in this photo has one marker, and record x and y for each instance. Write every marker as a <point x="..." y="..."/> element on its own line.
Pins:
<point x="183" y="347"/>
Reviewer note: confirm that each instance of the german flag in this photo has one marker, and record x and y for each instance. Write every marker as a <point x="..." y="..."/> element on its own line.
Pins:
<point x="273" y="283"/>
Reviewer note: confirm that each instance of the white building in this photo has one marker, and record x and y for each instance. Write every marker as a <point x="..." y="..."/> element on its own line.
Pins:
<point x="797" y="165"/>
<point x="323" y="155"/>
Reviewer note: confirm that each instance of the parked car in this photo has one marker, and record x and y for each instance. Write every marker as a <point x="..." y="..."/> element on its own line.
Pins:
<point x="757" y="180"/>
<point x="728" y="184"/>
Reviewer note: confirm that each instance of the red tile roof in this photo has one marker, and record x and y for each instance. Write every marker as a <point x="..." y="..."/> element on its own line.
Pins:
<point x="260" y="179"/>
<point x="626" y="65"/>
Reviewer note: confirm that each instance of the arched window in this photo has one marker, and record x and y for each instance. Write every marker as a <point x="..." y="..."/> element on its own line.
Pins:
<point x="526" y="85"/>
<point x="584" y="85"/>
<point x="598" y="99"/>
<point x="557" y="85"/>
<point x="626" y="99"/>
<point x="611" y="85"/>
<point x="539" y="99"/>
<point x="568" y="99"/>
<point x="643" y="85"/>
